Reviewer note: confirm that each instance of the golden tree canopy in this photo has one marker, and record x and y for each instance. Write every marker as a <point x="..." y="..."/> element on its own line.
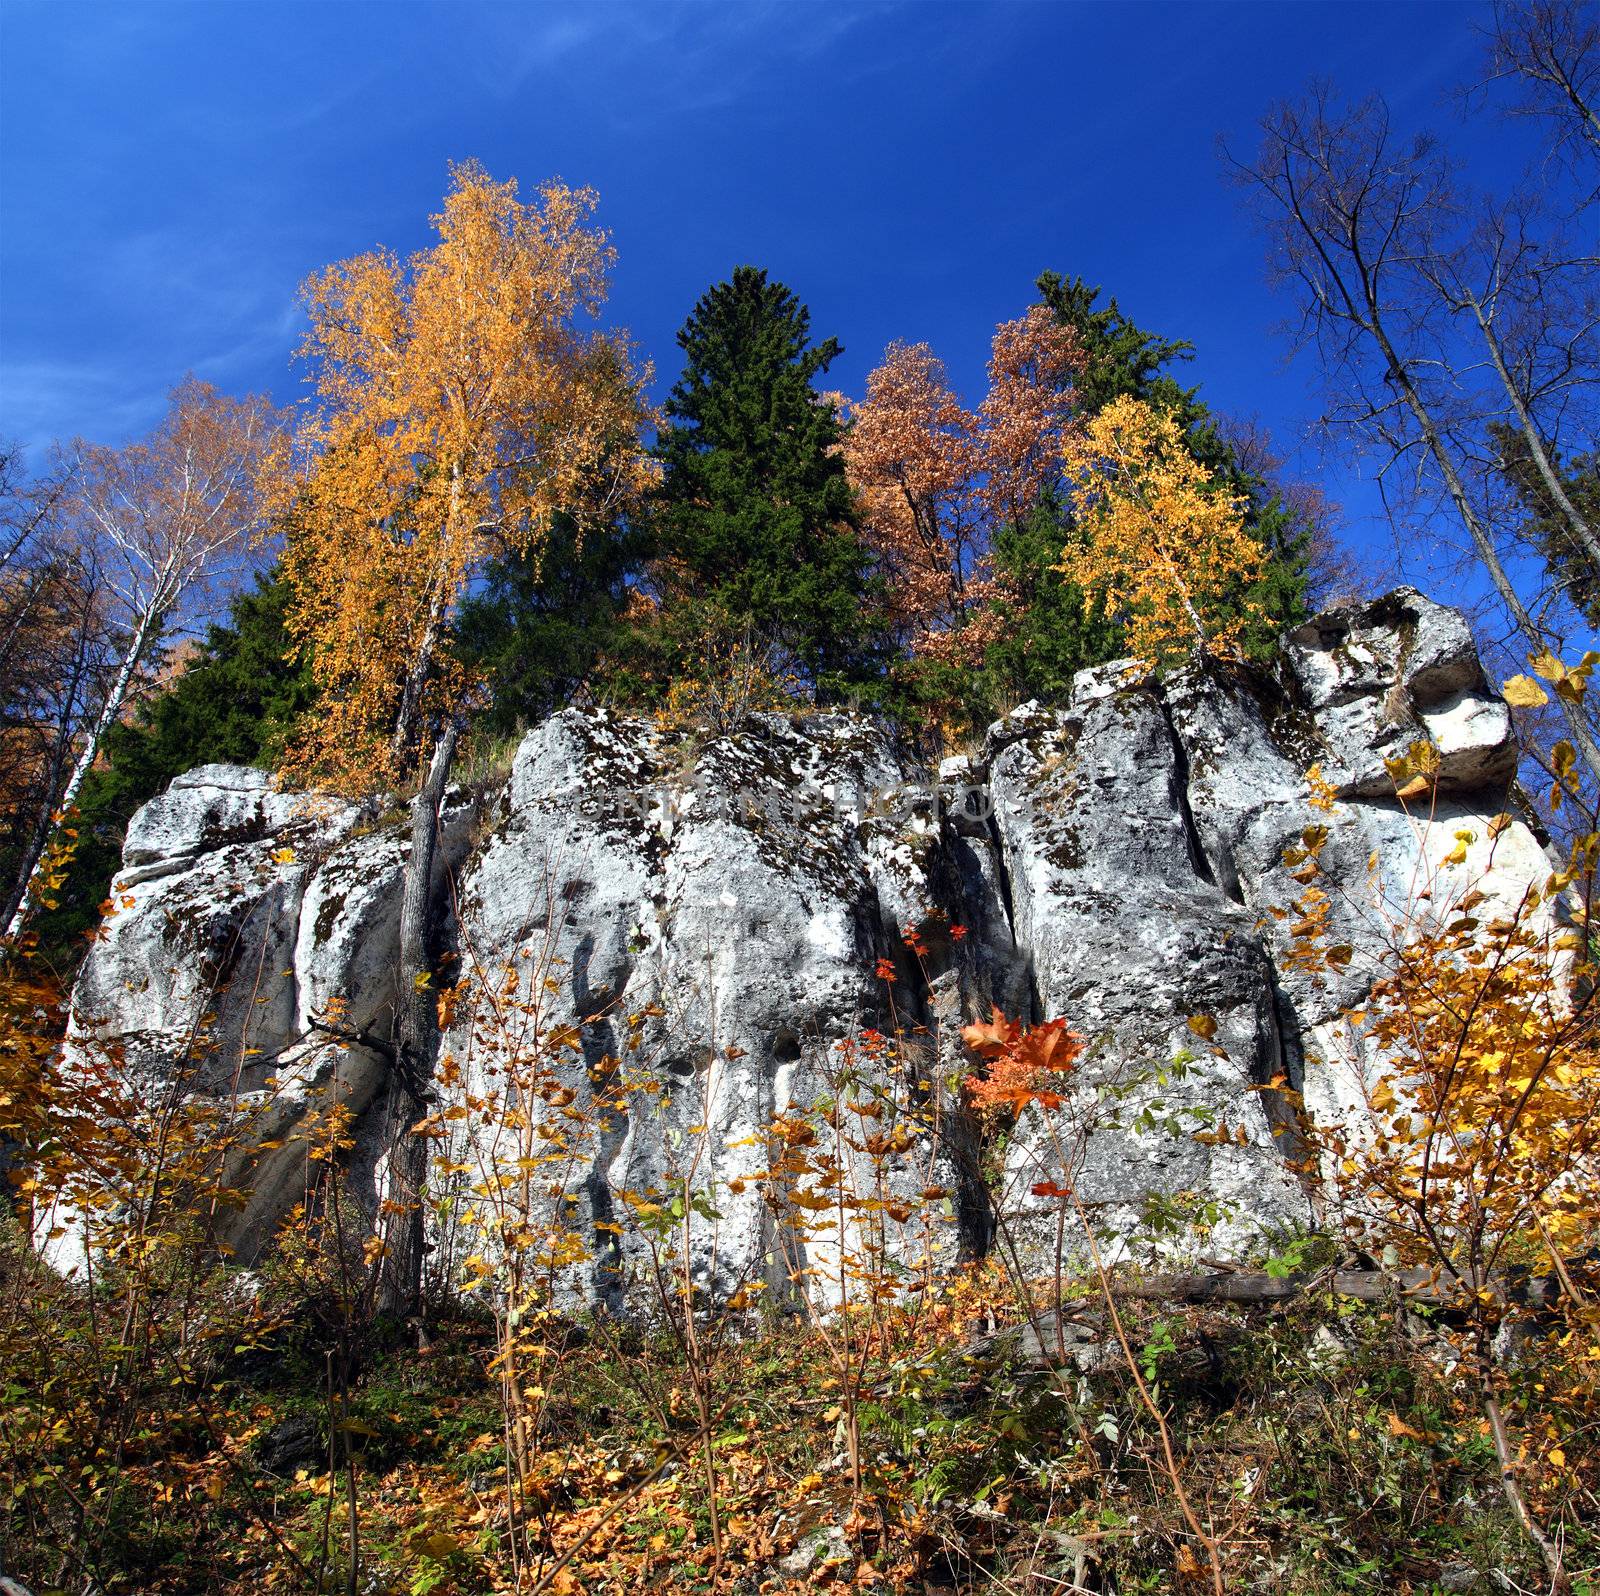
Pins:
<point x="458" y="404"/>
<point x="1163" y="547"/>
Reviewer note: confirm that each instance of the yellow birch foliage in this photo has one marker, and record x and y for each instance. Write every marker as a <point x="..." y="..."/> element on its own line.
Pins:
<point x="1481" y="1080"/>
<point x="1474" y="1150"/>
<point x="1163" y="547"/>
<point x="1484" y="1129"/>
<point x="458" y="405"/>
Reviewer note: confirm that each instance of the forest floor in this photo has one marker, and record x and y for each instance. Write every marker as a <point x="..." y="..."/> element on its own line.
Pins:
<point x="1325" y="1445"/>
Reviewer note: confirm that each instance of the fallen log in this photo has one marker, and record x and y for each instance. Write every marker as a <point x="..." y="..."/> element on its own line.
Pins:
<point x="1076" y="1330"/>
<point x="1421" y="1287"/>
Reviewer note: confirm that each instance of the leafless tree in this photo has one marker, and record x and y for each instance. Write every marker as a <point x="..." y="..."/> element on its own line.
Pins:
<point x="56" y="651"/>
<point x="1526" y="298"/>
<point x="26" y="505"/>
<point x="1366" y="228"/>
<point x="158" y="522"/>
<point x="1547" y="53"/>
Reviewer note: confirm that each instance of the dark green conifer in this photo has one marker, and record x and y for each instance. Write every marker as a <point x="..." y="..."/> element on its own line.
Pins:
<point x="540" y="623"/>
<point x="755" y="520"/>
<point x="1545" y="527"/>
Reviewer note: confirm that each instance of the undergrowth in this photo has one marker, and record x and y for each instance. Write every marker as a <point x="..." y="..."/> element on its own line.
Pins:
<point x="1331" y="1443"/>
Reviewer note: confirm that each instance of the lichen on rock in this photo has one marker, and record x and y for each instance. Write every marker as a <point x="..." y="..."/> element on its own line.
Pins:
<point x="716" y="913"/>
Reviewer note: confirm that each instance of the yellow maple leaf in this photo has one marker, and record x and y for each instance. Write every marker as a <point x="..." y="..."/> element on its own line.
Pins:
<point x="1522" y="692"/>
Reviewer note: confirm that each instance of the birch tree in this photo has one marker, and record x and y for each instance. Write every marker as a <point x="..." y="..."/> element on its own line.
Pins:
<point x="160" y="523"/>
<point x="1163" y="543"/>
<point x="1426" y="341"/>
<point x="57" y="650"/>
<point x="458" y="405"/>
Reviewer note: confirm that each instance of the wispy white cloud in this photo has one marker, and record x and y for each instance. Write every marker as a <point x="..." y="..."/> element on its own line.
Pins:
<point x="205" y="279"/>
<point x="168" y="299"/>
<point x="42" y="401"/>
<point x="693" y="57"/>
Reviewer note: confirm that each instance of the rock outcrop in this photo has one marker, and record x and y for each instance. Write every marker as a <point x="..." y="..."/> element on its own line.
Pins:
<point x="663" y="940"/>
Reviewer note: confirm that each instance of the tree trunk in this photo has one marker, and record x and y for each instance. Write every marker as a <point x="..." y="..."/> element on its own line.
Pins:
<point x="407" y="725"/>
<point x="416" y="1041"/>
<point x="1582" y="738"/>
<point x="408" y="722"/>
<point x="1579" y="528"/>
<point x="45" y="817"/>
<point x="1511" y="1485"/>
<point x="148" y="626"/>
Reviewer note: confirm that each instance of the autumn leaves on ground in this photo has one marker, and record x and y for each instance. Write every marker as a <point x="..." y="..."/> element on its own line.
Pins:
<point x="478" y="516"/>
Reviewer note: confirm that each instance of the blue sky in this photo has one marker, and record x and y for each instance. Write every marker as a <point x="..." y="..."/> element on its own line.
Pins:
<point x="170" y="172"/>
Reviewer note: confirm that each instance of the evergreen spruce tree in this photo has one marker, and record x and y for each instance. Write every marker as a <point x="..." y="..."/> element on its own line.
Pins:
<point x="1544" y="528"/>
<point x="539" y="625"/>
<point x="755" y="521"/>
<point x="1054" y="632"/>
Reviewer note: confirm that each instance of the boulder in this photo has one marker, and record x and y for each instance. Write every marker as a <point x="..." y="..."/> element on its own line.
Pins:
<point x="1128" y="936"/>
<point x="1375" y="679"/>
<point x="710" y="913"/>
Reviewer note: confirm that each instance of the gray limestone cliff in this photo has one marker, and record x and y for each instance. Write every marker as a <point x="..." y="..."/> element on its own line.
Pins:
<point x="692" y="934"/>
